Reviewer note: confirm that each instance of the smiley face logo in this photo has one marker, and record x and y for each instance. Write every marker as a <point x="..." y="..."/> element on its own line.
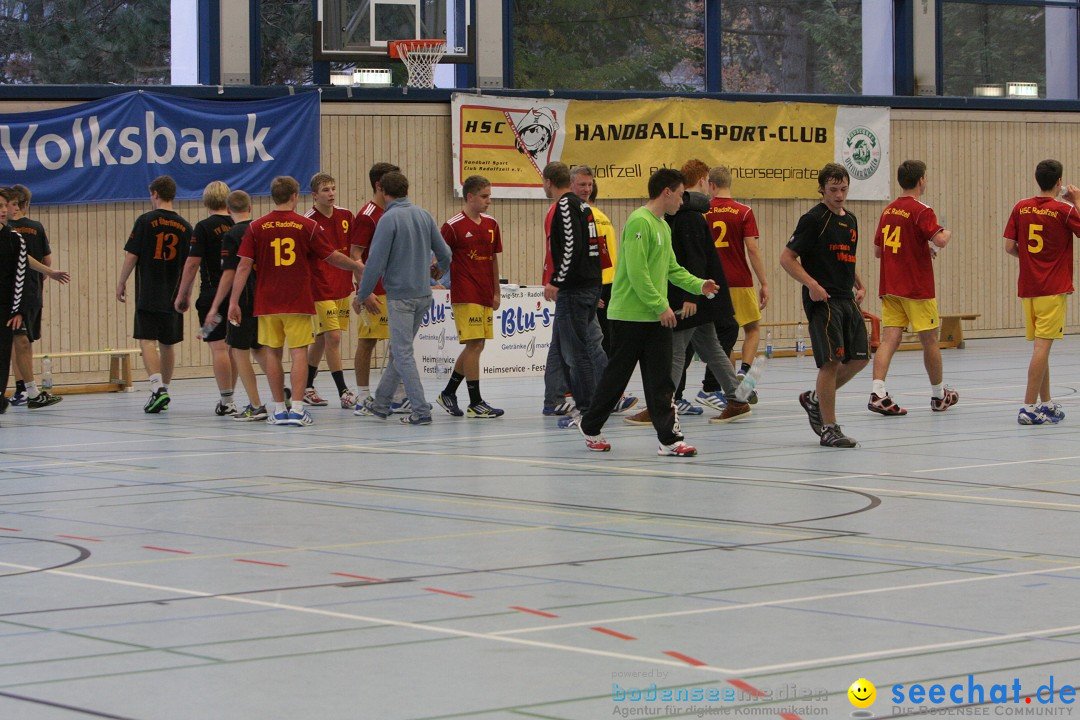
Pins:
<point x="862" y="693"/>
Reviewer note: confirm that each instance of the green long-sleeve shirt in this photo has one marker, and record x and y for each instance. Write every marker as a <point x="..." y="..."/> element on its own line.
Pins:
<point x="646" y="265"/>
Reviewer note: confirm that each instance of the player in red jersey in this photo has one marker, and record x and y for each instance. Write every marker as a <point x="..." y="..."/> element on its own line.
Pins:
<point x="1040" y="233"/>
<point x="908" y="238"/>
<point x="735" y="234"/>
<point x="333" y="291"/>
<point x="284" y="245"/>
<point x="373" y="327"/>
<point x="475" y="241"/>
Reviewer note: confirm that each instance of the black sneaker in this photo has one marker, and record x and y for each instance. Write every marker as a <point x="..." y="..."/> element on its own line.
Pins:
<point x="813" y="411"/>
<point x="158" y="401"/>
<point x="44" y="399"/>
<point x="449" y="404"/>
<point x="833" y="436"/>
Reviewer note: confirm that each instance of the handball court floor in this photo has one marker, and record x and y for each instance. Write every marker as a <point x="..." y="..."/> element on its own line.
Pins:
<point x="184" y="566"/>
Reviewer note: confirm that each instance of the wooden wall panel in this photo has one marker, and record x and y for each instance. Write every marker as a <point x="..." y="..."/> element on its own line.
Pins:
<point x="980" y="164"/>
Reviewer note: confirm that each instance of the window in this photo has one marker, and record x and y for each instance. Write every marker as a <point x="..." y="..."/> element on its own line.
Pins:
<point x="986" y="46"/>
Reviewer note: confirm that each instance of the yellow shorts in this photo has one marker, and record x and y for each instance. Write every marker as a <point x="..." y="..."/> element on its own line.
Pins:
<point x="474" y="322"/>
<point x="332" y="315"/>
<point x="295" y="329"/>
<point x="1044" y="317"/>
<point x="745" y="301"/>
<point x="374" y="327"/>
<point x="901" y="312"/>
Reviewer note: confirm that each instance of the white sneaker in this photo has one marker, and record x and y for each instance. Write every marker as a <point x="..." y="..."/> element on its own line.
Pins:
<point x="348" y="399"/>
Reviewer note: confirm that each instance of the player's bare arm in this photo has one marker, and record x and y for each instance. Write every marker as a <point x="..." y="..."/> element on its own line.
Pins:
<point x="243" y="270"/>
<point x="753" y="254"/>
<point x="1011" y="248"/>
<point x="187" y="281"/>
<point x="121" y="285"/>
<point x="789" y="261"/>
<point x="860" y="289"/>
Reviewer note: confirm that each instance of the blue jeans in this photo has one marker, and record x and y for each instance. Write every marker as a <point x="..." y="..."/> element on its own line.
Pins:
<point x="576" y="336"/>
<point x="404" y="315"/>
<point x="555" y="387"/>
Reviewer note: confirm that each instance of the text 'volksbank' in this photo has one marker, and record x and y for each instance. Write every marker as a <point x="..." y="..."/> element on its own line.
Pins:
<point x="91" y="145"/>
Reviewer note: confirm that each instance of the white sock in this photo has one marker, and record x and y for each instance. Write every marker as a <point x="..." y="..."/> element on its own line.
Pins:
<point x="938" y="390"/>
<point x="363" y="391"/>
<point x="279" y="407"/>
<point x="155" y="382"/>
<point x="879" y="388"/>
<point x="298" y="407"/>
<point x="32" y="389"/>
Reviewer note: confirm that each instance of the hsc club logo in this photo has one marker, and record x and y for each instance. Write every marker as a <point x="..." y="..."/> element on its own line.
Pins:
<point x="861" y="153"/>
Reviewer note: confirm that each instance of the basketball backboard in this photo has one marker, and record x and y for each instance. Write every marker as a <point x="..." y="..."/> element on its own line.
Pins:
<point x="353" y="30"/>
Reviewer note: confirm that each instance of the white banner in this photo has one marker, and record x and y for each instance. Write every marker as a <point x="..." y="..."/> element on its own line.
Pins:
<point x="862" y="146"/>
<point x="518" y="349"/>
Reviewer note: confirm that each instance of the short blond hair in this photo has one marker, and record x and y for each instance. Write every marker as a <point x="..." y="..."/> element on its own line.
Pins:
<point x="720" y="176"/>
<point x="215" y="195"/>
<point x="319" y="179"/>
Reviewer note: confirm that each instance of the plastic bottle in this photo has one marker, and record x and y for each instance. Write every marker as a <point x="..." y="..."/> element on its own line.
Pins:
<point x="209" y="326"/>
<point x="46" y="373"/>
<point x="768" y="343"/>
<point x="800" y="344"/>
<point x="750" y="381"/>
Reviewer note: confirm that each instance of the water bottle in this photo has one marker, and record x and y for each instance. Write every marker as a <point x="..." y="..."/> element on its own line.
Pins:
<point x="750" y="381"/>
<point x="768" y="343"/>
<point x="209" y="326"/>
<point x="800" y="344"/>
<point x="46" y="373"/>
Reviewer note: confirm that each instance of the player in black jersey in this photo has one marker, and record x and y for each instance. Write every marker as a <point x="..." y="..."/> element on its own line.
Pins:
<point x="821" y="255"/>
<point x="156" y="250"/>
<point x="37" y="247"/>
<point x="204" y="254"/>
<point x="242" y="338"/>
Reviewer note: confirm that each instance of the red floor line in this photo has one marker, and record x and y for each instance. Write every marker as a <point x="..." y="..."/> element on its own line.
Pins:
<point x="541" y="613"/>
<point x="685" y="658"/>
<point x="76" y="537"/>
<point x="259" y="562"/>
<point x="11" y="529"/>
<point x="613" y="633"/>
<point x="746" y="687"/>
<point x="447" y="592"/>
<point x="161" y="549"/>
<point x="358" y="577"/>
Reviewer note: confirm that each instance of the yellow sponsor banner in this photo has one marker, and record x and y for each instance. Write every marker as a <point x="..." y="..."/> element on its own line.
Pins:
<point x="774" y="150"/>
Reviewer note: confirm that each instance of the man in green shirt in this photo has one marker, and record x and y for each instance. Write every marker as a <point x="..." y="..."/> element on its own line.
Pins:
<point x="642" y="321"/>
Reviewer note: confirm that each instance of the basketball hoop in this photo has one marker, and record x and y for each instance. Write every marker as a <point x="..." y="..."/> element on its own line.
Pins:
<point x="420" y="58"/>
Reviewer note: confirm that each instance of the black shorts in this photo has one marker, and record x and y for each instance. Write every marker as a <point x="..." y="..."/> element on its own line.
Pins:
<point x="837" y="331"/>
<point x="31" y="323"/>
<point x="165" y="327"/>
<point x="202" y="308"/>
<point x="244" y="336"/>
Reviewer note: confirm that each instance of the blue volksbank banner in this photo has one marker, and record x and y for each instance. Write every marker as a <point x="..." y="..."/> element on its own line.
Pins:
<point x="110" y="150"/>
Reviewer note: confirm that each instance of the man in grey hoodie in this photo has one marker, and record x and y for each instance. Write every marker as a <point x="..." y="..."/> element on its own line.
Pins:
<point x="400" y="254"/>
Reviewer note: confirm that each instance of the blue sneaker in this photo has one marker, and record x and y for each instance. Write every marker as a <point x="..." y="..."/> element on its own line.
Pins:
<point x="299" y="418"/>
<point x="714" y="400"/>
<point x="625" y="403"/>
<point x="18" y="398"/>
<point x="685" y="407"/>
<point x="568" y="421"/>
<point x="367" y="407"/>
<point x="401" y="407"/>
<point x="280" y="418"/>
<point x="414" y="419"/>
<point x="1034" y="417"/>
<point x="448" y="403"/>
<point x="564" y="408"/>
<point x="483" y="410"/>
<point x="1053" y="411"/>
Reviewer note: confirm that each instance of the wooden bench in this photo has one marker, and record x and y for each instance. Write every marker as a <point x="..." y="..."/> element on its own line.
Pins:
<point x="951" y="333"/>
<point x="119" y="371"/>
<point x="778" y="352"/>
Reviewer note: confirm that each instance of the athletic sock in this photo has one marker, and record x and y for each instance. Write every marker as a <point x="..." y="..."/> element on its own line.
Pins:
<point x="312" y="371"/>
<point x="362" y="391"/>
<point x="938" y="390"/>
<point x="279" y="407"/>
<point x="31" y="389"/>
<point x="744" y="368"/>
<point x="879" y="388"/>
<point x="226" y="396"/>
<point x="474" y="392"/>
<point x="453" y="383"/>
<point x="155" y="382"/>
<point x="339" y="380"/>
<point x="20" y="386"/>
